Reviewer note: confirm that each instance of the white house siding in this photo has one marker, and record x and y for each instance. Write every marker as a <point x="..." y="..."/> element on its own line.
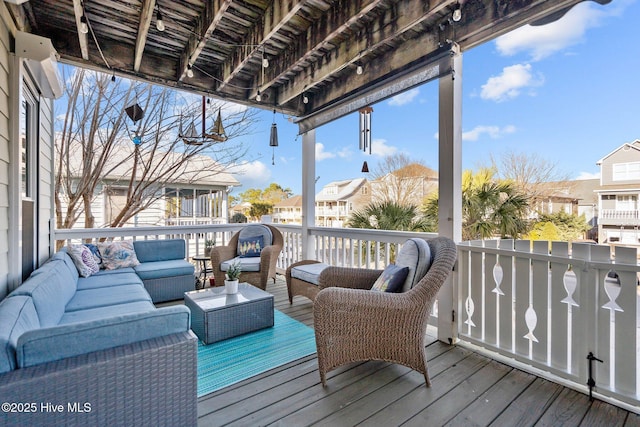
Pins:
<point x="4" y="158"/>
<point x="45" y="178"/>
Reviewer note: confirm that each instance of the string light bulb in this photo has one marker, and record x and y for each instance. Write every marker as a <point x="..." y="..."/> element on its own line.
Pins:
<point x="258" y="97"/>
<point x="159" y="22"/>
<point x="265" y="63"/>
<point x="359" y="70"/>
<point x="84" y="25"/>
<point x="189" y="71"/>
<point x="305" y="98"/>
<point x="457" y="13"/>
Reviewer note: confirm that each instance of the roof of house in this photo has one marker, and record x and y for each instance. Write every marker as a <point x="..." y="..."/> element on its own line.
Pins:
<point x="635" y="145"/>
<point x="291" y="202"/>
<point x="197" y="171"/>
<point x="346" y="188"/>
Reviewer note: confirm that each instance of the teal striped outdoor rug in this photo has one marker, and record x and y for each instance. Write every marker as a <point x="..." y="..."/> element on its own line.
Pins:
<point x="226" y="362"/>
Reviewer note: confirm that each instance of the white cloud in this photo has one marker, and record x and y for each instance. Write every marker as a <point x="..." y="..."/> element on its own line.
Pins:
<point x="510" y="83"/>
<point x="321" y="154"/>
<point x="380" y="148"/>
<point x="588" y="175"/>
<point x="404" y="98"/>
<point x="253" y="174"/>
<point x="493" y="132"/>
<point x="545" y="40"/>
<point x="345" y="153"/>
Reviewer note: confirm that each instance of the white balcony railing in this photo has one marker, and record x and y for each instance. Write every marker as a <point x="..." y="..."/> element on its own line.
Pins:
<point x="630" y="214"/>
<point x="540" y="310"/>
<point x="549" y="310"/>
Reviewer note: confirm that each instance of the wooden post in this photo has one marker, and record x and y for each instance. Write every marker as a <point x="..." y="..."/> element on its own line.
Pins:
<point x="450" y="193"/>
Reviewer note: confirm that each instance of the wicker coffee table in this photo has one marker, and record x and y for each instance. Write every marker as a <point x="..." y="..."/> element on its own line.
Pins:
<point x="216" y="315"/>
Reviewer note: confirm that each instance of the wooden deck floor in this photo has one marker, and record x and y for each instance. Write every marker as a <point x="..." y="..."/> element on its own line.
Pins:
<point x="468" y="390"/>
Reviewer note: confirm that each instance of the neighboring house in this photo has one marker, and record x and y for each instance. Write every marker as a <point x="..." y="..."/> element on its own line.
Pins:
<point x="619" y="217"/>
<point x="198" y="194"/>
<point x="339" y="199"/>
<point x="408" y="185"/>
<point x="573" y="197"/>
<point x="288" y="211"/>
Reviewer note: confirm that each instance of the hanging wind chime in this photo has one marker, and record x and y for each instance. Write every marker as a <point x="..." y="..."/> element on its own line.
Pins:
<point x="273" y="138"/>
<point x="365" y="133"/>
<point x="191" y="136"/>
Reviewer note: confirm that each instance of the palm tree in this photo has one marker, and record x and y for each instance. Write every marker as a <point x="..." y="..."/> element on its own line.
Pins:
<point x="490" y="207"/>
<point x="388" y="215"/>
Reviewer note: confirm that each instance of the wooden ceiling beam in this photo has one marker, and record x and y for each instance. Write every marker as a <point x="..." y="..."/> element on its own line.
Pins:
<point x="146" y="15"/>
<point x="401" y="18"/>
<point x="83" y="38"/>
<point x="207" y="23"/>
<point x="274" y="18"/>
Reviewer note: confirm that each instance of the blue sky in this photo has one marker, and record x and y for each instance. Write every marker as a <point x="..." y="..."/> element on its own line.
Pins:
<point x="568" y="92"/>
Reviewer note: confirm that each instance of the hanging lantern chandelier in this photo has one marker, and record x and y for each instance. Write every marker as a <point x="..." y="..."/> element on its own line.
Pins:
<point x="191" y="136"/>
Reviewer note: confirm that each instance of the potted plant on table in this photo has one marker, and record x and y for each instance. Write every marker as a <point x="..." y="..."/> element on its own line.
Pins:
<point x="208" y="245"/>
<point x="232" y="275"/>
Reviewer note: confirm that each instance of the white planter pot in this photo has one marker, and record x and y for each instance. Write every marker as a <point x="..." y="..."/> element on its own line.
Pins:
<point x="231" y="286"/>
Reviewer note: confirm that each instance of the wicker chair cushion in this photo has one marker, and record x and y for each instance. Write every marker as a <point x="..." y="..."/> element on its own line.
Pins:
<point x="416" y="255"/>
<point x="391" y="279"/>
<point x="249" y="264"/>
<point x="255" y="230"/>
<point x="308" y="272"/>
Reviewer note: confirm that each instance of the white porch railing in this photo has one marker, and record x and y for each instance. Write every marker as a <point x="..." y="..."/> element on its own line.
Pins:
<point x="539" y="310"/>
<point x="550" y="310"/>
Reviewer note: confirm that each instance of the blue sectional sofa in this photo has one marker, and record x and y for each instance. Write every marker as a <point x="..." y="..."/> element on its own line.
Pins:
<point x="95" y="350"/>
<point x="165" y="272"/>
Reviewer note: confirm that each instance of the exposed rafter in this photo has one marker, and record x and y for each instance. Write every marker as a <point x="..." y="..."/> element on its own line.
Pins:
<point x="146" y="15"/>
<point x="83" y="38"/>
<point x="212" y="15"/>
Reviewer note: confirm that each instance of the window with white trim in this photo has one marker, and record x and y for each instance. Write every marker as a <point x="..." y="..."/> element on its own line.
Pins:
<point x="626" y="171"/>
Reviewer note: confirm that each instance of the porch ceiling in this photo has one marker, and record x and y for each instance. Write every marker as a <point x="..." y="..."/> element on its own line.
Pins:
<point x="313" y="46"/>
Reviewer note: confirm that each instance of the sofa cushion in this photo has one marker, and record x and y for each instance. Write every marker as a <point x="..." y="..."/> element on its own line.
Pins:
<point x="83" y="259"/>
<point x="250" y="264"/>
<point x="391" y="279"/>
<point x="129" y="270"/>
<point x="160" y="250"/>
<point x="104" y="312"/>
<point x="255" y="230"/>
<point x="160" y="269"/>
<point x="250" y="246"/>
<point x="60" y="256"/>
<point x="108" y="280"/>
<point x="415" y="254"/>
<point x="51" y="291"/>
<point x="17" y="315"/>
<point x="308" y="272"/>
<point x="49" y="344"/>
<point x="102" y="297"/>
<point x="118" y="254"/>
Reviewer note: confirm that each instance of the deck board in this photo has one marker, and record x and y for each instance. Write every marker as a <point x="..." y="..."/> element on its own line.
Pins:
<point x="467" y="390"/>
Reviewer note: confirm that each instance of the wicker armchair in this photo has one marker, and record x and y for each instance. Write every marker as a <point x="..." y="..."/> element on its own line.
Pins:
<point x="256" y="273"/>
<point x="359" y="324"/>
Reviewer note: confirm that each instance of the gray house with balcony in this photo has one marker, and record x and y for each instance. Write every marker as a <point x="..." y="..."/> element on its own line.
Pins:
<point x="618" y="194"/>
